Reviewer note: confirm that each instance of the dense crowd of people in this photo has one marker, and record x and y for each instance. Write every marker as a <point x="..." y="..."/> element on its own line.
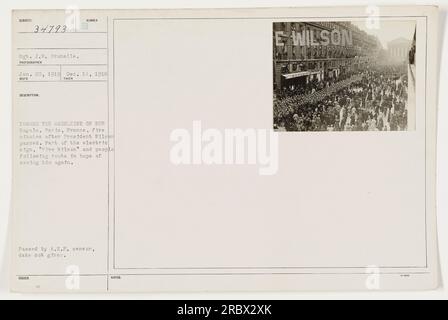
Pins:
<point x="371" y="100"/>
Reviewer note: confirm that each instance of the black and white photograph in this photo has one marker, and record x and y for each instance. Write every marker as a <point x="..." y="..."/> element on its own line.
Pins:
<point x="344" y="75"/>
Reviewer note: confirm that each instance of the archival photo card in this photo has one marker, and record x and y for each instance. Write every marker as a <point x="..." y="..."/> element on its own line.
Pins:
<point x="224" y="150"/>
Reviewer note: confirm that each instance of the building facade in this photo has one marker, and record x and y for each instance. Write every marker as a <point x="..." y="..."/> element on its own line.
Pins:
<point x="322" y="52"/>
<point x="398" y="50"/>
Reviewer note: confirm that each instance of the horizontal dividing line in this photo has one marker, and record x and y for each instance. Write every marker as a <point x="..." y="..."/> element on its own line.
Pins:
<point x="61" y="48"/>
<point x="336" y="19"/>
<point x="62" y="65"/>
<point x="64" y="81"/>
<point x="222" y="274"/>
<point x="265" y="273"/>
<point x="267" y="268"/>
<point x="71" y="32"/>
<point x="59" y="275"/>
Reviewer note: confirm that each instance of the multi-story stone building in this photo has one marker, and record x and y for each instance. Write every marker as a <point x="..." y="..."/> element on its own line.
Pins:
<point x="399" y="50"/>
<point x="309" y="51"/>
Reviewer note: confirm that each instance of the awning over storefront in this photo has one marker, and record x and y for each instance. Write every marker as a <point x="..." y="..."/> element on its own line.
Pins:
<point x="299" y="74"/>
